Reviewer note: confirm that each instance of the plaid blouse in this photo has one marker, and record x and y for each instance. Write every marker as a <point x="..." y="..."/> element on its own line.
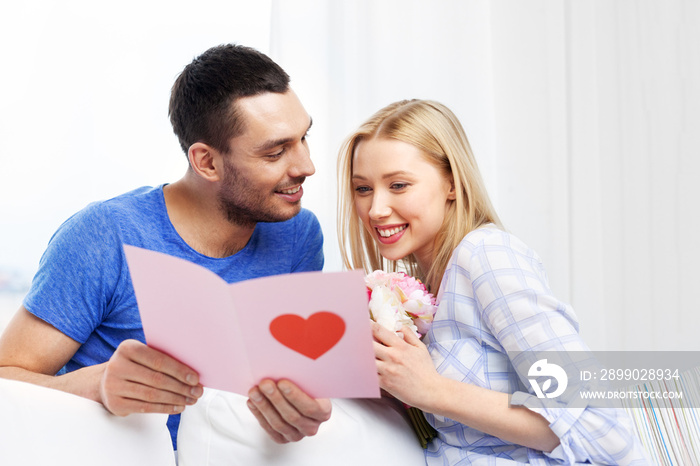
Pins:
<point x="494" y="300"/>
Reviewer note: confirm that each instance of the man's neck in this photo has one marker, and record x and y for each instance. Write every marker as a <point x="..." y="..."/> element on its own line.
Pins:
<point x="193" y="209"/>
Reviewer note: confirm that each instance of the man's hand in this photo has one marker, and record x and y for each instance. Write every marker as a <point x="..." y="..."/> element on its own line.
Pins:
<point x="140" y="379"/>
<point x="285" y="412"/>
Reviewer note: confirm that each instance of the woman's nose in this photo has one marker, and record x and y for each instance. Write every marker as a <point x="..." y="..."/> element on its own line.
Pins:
<point x="380" y="207"/>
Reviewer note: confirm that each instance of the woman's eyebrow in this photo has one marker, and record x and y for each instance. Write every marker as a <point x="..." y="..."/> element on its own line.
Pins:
<point x="396" y="173"/>
<point x="384" y="176"/>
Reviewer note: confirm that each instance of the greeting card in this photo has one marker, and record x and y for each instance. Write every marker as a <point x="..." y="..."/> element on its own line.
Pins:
<point x="311" y="328"/>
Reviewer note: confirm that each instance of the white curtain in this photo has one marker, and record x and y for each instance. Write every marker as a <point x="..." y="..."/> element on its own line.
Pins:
<point x="634" y="116"/>
<point x="348" y="59"/>
<point x="84" y="89"/>
<point x="584" y="117"/>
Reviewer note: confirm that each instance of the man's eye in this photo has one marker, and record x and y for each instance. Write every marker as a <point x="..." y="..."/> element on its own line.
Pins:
<point x="276" y="155"/>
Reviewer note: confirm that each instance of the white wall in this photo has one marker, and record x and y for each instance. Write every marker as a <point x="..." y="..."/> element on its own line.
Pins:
<point x="597" y="115"/>
<point x="84" y="92"/>
<point x="636" y="99"/>
<point x="84" y="89"/>
<point x="349" y="59"/>
<point x="584" y="117"/>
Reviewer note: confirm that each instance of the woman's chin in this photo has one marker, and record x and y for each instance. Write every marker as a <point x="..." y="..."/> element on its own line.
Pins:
<point x="388" y="255"/>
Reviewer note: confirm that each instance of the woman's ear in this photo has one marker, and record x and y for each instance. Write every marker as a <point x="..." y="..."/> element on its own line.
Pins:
<point x="204" y="161"/>
<point x="452" y="194"/>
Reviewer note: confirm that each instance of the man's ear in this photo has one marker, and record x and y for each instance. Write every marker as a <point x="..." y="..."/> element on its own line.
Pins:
<point x="205" y="161"/>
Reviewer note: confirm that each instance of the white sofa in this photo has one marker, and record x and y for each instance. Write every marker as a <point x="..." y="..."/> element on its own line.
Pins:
<point x="40" y="426"/>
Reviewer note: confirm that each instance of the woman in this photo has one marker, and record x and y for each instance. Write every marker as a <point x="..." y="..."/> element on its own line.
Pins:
<point x="412" y="198"/>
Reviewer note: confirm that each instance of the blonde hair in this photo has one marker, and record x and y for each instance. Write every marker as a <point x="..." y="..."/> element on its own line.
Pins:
<point x="433" y="128"/>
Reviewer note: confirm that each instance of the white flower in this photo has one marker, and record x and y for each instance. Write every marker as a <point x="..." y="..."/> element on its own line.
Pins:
<point x="398" y="300"/>
<point x="419" y="304"/>
<point x="386" y="309"/>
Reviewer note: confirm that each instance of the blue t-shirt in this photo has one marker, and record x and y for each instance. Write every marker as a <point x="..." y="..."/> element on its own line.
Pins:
<point x="83" y="286"/>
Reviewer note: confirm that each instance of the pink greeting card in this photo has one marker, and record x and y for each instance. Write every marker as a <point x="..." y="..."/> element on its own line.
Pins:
<point x="312" y="328"/>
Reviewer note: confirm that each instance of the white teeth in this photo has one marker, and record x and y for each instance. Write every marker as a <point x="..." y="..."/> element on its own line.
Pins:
<point x="291" y="191"/>
<point x="391" y="231"/>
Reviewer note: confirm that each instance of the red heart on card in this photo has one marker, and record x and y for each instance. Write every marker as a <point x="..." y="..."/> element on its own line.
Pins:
<point x="311" y="337"/>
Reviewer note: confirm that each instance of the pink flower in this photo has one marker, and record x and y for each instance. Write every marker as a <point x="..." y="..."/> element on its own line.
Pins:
<point x="397" y="300"/>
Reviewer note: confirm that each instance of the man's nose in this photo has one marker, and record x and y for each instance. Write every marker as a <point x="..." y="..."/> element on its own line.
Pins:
<point x="302" y="165"/>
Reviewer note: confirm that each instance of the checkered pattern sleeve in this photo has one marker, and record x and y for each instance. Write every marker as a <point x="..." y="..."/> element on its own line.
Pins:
<point x="495" y="302"/>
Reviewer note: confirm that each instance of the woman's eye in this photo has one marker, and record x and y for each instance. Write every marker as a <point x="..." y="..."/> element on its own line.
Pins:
<point x="362" y="189"/>
<point x="398" y="185"/>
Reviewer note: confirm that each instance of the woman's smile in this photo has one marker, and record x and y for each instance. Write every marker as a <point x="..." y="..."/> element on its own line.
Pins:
<point x="390" y="234"/>
<point x="400" y="197"/>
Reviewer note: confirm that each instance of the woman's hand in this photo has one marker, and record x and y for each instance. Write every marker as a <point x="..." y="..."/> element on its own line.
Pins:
<point x="406" y="371"/>
<point x="404" y="366"/>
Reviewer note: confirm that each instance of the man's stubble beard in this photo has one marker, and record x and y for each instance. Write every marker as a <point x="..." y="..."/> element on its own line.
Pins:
<point x="241" y="206"/>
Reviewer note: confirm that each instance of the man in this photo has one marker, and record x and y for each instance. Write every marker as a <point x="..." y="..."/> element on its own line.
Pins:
<point x="244" y="132"/>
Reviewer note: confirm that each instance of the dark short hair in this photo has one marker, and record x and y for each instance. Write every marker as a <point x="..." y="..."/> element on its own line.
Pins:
<point x="201" y="99"/>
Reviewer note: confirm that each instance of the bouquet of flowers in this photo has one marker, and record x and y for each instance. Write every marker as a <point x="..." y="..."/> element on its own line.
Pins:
<point x="397" y="299"/>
